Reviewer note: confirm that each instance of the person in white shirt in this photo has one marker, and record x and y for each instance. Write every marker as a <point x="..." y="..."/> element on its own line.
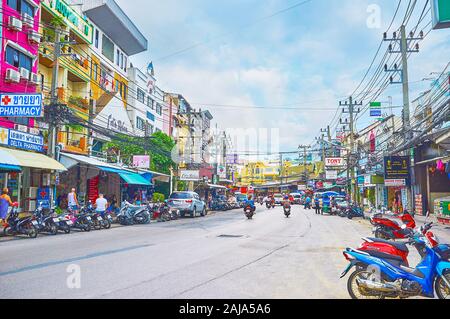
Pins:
<point x="101" y="204"/>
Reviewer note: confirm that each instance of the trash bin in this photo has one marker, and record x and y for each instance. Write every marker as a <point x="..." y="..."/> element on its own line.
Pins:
<point x="326" y="209"/>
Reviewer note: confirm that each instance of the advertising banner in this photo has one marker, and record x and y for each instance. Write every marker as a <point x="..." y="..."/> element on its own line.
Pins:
<point x="397" y="168"/>
<point x="331" y="175"/>
<point x="141" y="161"/>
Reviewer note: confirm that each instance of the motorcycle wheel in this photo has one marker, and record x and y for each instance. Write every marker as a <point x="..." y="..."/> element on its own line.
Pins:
<point x="87" y="227"/>
<point x="32" y="232"/>
<point x="7" y="231"/>
<point x="442" y="290"/>
<point x="379" y="234"/>
<point x="106" y="224"/>
<point x="97" y="225"/>
<point x="66" y="229"/>
<point x="357" y="292"/>
<point x="53" y="229"/>
<point x="350" y="216"/>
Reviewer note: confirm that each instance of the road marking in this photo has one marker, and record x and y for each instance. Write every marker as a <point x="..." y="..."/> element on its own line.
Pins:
<point x="71" y="260"/>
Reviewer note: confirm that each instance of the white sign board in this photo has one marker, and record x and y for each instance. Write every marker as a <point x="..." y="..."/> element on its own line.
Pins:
<point x="221" y="171"/>
<point x="334" y="162"/>
<point x="331" y="175"/>
<point x="394" y="182"/>
<point x="186" y="175"/>
<point x="302" y="187"/>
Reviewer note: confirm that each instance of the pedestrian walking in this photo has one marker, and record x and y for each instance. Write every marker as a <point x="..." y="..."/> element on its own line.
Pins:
<point x="5" y="202"/>
<point x="317" y="206"/>
<point x="101" y="204"/>
<point x="72" y="201"/>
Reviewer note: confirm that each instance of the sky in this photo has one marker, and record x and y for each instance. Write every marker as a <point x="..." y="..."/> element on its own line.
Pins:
<point x="248" y="60"/>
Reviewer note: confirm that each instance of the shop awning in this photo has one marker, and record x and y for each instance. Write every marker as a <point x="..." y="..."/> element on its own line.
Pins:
<point x="216" y="186"/>
<point x="129" y="177"/>
<point x="10" y="168"/>
<point x="29" y="159"/>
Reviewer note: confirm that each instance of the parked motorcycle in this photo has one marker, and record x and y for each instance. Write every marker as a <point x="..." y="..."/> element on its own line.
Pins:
<point x="386" y="228"/>
<point x="354" y="211"/>
<point x="377" y="277"/>
<point x="132" y="214"/>
<point x="81" y="221"/>
<point x="20" y="226"/>
<point x="46" y="223"/>
<point x="249" y="211"/>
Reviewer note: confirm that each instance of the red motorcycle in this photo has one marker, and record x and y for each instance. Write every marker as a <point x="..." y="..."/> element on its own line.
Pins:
<point x="393" y="252"/>
<point x="388" y="229"/>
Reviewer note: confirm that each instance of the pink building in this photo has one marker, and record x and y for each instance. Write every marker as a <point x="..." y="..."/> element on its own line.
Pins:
<point x="20" y="40"/>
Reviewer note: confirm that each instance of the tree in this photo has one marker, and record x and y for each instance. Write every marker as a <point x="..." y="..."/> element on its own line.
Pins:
<point x="159" y="147"/>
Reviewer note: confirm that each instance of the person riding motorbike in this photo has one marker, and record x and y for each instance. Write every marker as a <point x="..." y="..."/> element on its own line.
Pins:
<point x="250" y="202"/>
<point x="308" y="203"/>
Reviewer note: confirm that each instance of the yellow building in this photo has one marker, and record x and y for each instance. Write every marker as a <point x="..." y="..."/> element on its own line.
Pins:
<point x="73" y="81"/>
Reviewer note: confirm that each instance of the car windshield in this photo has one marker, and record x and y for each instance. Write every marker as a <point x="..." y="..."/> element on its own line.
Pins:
<point x="181" y="196"/>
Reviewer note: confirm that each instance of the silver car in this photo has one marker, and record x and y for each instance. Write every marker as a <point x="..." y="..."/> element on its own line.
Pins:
<point x="188" y="204"/>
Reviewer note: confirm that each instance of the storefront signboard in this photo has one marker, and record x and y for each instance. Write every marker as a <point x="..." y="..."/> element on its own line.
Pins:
<point x="397" y="168"/>
<point x="21" y="105"/>
<point x="440" y="14"/>
<point x="21" y="140"/>
<point x="187" y="175"/>
<point x="333" y="175"/>
<point x="334" y="162"/>
<point x="141" y="161"/>
<point x="43" y="197"/>
<point x="394" y="182"/>
<point x="221" y="171"/>
<point x="73" y="19"/>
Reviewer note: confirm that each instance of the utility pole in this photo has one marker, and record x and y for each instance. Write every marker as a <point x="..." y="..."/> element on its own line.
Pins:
<point x="349" y="107"/>
<point x="52" y="130"/>
<point x="305" y="171"/>
<point x="404" y="44"/>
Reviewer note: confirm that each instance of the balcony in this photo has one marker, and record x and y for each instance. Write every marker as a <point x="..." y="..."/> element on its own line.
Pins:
<point x="73" y="141"/>
<point x="73" y="60"/>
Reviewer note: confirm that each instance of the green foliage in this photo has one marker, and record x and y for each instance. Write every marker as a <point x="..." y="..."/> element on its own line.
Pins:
<point x="182" y="186"/>
<point x="159" y="148"/>
<point x="75" y="127"/>
<point x="59" y="210"/>
<point x="158" y="197"/>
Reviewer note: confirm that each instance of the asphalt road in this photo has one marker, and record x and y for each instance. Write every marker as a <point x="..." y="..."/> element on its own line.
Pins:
<point x="223" y="255"/>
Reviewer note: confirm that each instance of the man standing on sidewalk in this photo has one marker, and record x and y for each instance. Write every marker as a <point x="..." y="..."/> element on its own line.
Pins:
<point x="317" y="205"/>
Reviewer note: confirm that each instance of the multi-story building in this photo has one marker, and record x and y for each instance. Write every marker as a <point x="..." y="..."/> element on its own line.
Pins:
<point x="19" y="39"/>
<point x="73" y="80"/>
<point x="115" y="39"/>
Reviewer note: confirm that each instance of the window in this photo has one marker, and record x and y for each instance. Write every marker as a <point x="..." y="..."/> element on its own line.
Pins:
<point x="158" y="109"/>
<point x="125" y="63"/>
<point x="21" y="6"/>
<point x="18" y="59"/>
<point x="118" y="58"/>
<point x="140" y="96"/>
<point x="108" y="48"/>
<point x="140" y="124"/>
<point x="149" y="130"/>
<point x="97" y="35"/>
<point x="149" y="101"/>
<point x="121" y="60"/>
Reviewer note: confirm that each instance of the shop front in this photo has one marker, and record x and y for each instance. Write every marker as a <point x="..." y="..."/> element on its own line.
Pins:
<point x="30" y="177"/>
<point x="91" y="177"/>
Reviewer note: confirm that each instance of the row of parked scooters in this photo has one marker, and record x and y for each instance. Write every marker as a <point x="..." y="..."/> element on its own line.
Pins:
<point x="381" y="266"/>
<point x="86" y="219"/>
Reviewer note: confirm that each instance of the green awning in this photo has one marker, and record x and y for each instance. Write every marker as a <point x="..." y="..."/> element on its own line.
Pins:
<point x="129" y="177"/>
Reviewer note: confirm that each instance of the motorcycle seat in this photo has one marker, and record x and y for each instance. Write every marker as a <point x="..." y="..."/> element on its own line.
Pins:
<point x="399" y="246"/>
<point x="384" y="256"/>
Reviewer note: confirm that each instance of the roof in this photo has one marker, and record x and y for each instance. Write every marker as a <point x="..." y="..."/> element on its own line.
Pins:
<point x="16" y="158"/>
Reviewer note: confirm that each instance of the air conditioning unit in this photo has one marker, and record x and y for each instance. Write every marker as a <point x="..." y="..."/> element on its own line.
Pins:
<point x="31" y="206"/>
<point x="27" y="20"/>
<point x="34" y="37"/>
<point x="32" y="192"/>
<point x="21" y="128"/>
<point x="14" y="24"/>
<point x="12" y="76"/>
<point x="24" y="74"/>
<point x="34" y="79"/>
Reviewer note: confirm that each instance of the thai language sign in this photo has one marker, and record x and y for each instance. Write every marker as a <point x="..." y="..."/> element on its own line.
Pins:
<point x="21" y="140"/>
<point x="21" y="105"/>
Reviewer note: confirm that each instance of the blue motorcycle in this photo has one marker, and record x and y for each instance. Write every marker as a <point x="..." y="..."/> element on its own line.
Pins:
<point x="379" y="278"/>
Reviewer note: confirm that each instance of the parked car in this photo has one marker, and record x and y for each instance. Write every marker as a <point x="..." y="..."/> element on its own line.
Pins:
<point x="278" y="199"/>
<point x="188" y="204"/>
<point x="296" y="198"/>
